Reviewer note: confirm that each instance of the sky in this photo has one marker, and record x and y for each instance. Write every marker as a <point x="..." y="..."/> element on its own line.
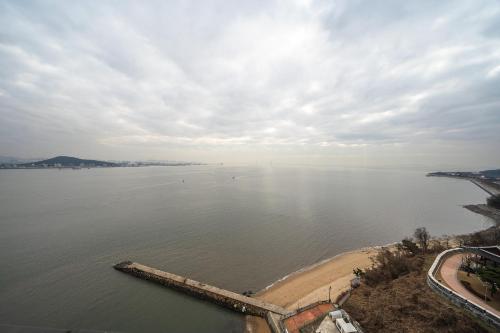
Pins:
<point x="353" y="83"/>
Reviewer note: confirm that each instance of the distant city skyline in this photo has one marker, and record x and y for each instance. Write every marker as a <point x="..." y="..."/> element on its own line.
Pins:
<point x="350" y="83"/>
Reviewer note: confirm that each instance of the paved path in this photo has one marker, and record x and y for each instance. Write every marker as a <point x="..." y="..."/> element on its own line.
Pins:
<point x="218" y="295"/>
<point x="449" y="270"/>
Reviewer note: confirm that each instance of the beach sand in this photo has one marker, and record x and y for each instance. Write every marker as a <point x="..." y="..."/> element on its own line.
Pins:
<point x="312" y="284"/>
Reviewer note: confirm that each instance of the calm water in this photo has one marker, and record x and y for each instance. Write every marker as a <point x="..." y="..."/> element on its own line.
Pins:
<point x="61" y="231"/>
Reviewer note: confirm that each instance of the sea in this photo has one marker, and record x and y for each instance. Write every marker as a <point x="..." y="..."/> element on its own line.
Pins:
<point x="239" y="228"/>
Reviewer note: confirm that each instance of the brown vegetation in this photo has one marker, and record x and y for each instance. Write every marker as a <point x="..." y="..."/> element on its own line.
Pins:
<point x="395" y="297"/>
<point x="494" y="201"/>
<point x="407" y="304"/>
<point x="490" y="236"/>
<point x="476" y="286"/>
<point x="389" y="265"/>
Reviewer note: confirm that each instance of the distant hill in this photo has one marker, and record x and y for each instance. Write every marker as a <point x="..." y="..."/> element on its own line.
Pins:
<point x="491" y="173"/>
<point x="16" y="160"/>
<point x="68" y="161"/>
<point x="486" y="174"/>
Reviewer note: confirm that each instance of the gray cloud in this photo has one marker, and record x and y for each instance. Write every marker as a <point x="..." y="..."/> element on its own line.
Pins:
<point x="142" y="79"/>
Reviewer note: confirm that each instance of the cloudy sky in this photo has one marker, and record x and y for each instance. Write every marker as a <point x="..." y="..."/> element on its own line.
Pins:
<point x="335" y="82"/>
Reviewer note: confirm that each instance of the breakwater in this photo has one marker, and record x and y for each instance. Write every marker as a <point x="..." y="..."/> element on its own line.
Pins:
<point x="489" y="187"/>
<point x="222" y="297"/>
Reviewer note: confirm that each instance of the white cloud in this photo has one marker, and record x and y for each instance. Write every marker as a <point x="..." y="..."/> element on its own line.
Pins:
<point x="90" y="76"/>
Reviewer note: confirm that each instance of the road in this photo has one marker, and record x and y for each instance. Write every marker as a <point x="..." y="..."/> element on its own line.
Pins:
<point x="449" y="270"/>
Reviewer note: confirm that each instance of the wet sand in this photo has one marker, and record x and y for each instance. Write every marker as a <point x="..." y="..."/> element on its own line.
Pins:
<point x="312" y="284"/>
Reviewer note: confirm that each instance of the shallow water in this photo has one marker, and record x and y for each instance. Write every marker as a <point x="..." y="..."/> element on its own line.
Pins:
<point x="61" y="231"/>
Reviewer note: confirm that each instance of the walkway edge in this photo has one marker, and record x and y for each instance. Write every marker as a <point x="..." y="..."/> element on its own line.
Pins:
<point x="475" y="309"/>
<point x="222" y="297"/>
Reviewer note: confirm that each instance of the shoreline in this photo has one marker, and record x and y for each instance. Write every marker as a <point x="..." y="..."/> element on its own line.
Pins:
<point x="312" y="283"/>
<point x="305" y="269"/>
<point x="328" y="277"/>
<point x="485" y="210"/>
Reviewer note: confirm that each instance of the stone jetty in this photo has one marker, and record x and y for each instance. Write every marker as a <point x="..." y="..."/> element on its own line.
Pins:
<point x="225" y="298"/>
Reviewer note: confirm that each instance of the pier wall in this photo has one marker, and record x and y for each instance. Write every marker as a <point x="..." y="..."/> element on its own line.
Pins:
<point x="225" y="298"/>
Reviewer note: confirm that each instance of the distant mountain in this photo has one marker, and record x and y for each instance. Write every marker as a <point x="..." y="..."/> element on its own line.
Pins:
<point x="68" y="161"/>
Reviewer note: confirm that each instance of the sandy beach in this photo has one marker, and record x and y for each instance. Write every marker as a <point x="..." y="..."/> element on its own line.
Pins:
<point x="312" y="284"/>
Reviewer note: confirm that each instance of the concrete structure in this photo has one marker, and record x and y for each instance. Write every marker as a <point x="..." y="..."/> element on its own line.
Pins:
<point x="326" y="326"/>
<point x="276" y="316"/>
<point x="457" y="299"/>
<point x="449" y="268"/>
<point x="485" y="186"/>
<point x="491" y="253"/>
<point x="225" y="298"/>
<point x="345" y="327"/>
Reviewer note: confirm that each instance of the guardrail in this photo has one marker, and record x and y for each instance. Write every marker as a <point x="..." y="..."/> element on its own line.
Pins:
<point x="304" y="308"/>
<point x="475" y="309"/>
<point x="312" y="305"/>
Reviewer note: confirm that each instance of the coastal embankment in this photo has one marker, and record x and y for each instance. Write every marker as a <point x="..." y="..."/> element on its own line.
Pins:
<point x="488" y="210"/>
<point x="485" y="210"/>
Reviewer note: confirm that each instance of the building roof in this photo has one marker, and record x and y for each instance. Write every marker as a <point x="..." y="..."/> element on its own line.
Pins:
<point x="346" y="327"/>
<point x="326" y="326"/>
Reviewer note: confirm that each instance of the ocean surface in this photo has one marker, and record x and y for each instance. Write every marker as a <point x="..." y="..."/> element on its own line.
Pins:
<point x="62" y="230"/>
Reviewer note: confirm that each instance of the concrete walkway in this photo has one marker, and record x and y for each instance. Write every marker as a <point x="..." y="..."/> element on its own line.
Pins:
<point x="449" y="270"/>
<point x="234" y="301"/>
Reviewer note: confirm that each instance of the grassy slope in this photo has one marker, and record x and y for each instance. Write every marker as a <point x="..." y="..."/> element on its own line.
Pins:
<point x="407" y="304"/>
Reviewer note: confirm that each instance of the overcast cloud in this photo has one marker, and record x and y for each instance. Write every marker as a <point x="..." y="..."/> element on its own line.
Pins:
<point x="227" y="80"/>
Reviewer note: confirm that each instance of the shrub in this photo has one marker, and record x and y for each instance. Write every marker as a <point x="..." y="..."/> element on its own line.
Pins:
<point x="446" y="318"/>
<point x="486" y="237"/>
<point x="409" y="246"/>
<point x="437" y="247"/>
<point x="494" y="201"/>
<point x="389" y="265"/>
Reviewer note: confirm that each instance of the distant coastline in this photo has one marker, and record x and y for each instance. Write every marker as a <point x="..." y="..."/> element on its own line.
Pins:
<point x="488" y="181"/>
<point x="331" y="277"/>
<point x="69" y="162"/>
<point x="470" y="207"/>
<point x="485" y="175"/>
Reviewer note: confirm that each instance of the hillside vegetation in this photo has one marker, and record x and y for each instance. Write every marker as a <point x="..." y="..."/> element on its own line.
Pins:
<point x="395" y="297"/>
<point x="69" y="161"/>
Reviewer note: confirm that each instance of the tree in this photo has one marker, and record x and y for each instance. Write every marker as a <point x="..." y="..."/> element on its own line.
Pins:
<point x="494" y="201"/>
<point x="446" y="240"/>
<point x="467" y="264"/>
<point x="491" y="275"/>
<point x="409" y="246"/>
<point x="422" y="236"/>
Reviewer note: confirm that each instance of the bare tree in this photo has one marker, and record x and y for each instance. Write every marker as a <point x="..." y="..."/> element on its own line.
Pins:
<point x="467" y="264"/>
<point x="422" y="236"/>
<point x="446" y="241"/>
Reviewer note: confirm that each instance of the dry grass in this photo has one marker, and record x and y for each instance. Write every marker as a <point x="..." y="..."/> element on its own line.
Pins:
<point x="476" y="287"/>
<point x="407" y="304"/>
